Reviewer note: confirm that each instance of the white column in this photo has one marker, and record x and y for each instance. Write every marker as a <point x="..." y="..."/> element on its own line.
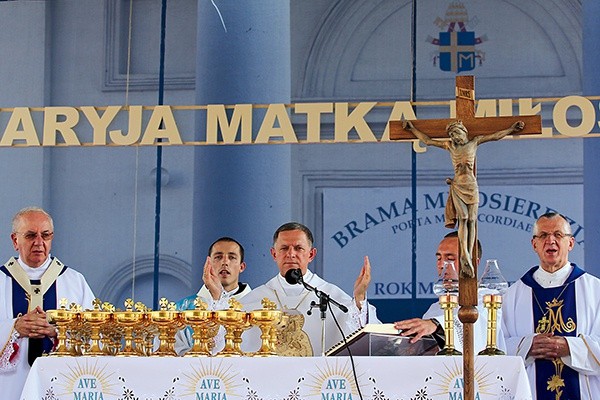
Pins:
<point x="242" y="191"/>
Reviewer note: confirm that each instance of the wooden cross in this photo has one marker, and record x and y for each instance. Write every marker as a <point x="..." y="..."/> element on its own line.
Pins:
<point x="436" y="128"/>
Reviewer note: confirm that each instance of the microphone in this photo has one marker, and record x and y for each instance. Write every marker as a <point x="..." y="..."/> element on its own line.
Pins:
<point x="294" y="276"/>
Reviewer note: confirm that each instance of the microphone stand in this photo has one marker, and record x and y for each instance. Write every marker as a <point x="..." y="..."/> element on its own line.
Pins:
<point x="324" y="300"/>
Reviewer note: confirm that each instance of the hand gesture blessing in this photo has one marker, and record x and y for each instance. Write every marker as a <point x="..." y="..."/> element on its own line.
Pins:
<point x="362" y="282"/>
<point x="211" y="280"/>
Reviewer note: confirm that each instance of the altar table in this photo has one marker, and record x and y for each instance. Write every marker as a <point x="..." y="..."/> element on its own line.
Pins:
<point x="286" y="378"/>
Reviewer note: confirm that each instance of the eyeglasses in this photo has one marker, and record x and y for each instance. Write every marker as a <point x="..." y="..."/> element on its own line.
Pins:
<point x="545" y="235"/>
<point x="31" y="236"/>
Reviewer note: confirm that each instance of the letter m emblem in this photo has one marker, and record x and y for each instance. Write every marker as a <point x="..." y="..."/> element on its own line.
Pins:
<point x="457" y="51"/>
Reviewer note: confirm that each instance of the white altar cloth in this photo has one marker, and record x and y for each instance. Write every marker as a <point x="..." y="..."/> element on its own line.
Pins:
<point x="287" y="378"/>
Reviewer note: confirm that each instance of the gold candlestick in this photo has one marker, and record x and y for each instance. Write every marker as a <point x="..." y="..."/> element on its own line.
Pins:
<point x="448" y="302"/>
<point x="492" y="302"/>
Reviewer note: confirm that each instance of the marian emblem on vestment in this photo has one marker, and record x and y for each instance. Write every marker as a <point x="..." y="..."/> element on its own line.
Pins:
<point x="292" y="341"/>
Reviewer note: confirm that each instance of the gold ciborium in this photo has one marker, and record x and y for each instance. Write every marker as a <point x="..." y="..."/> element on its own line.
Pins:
<point x="492" y="302"/>
<point x="233" y="320"/>
<point x="167" y="320"/>
<point x="63" y="319"/>
<point x="203" y="326"/>
<point x="448" y="302"/>
<point x="96" y="319"/>
<point x="128" y="320"/>
<point x="266" y="319"/>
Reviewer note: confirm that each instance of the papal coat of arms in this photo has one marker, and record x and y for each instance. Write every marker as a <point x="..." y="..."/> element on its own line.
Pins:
<point x="456" y="45"/>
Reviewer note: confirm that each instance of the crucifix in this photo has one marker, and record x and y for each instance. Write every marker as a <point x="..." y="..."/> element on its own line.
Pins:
<point x="465" y="132"/>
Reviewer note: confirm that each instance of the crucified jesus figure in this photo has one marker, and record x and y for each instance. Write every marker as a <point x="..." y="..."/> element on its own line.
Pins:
<point x="463" y="199"/>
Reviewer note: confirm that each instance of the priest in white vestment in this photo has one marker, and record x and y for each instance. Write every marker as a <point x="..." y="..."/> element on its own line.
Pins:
<point x="550" y="318"/>
<point x="307" y="335"/>
<point x="29" y="285"/>
<point x="432" y="322"/>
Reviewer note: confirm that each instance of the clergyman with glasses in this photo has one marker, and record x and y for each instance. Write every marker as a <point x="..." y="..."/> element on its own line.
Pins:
<point x="31" y="283"/>
<point x="550" y="317"/>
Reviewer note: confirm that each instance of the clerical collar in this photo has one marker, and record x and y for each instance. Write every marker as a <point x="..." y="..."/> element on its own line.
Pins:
<point x="552" y="279"/>
<point x="224" y="291"/>
<point x="234" y="291"/>
<point x="296" y="289"/>
<point x="204" y="292"/>
<point x="35" y="273"/>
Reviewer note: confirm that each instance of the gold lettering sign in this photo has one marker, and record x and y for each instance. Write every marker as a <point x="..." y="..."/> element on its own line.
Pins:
<point x="137" y="125"/>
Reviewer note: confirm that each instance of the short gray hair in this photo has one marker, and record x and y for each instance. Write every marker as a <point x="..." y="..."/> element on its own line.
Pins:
<point x="552" y="215"/>
<point x="16" y="221"/>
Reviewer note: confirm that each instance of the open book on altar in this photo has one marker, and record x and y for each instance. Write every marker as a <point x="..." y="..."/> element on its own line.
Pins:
<point x="382" y="340"/>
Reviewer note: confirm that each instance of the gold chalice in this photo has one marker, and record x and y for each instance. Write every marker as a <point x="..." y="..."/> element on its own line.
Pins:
<point x="204" y="327"/>
<point x="143" y="332"/>
<point x="128" y="320"/>
<point x="167" y="320"/>
<point x="62" y="318"/>
<point x="95" y="318"/>
<point x="266" y="319"/>
<point x="232" y="319"/>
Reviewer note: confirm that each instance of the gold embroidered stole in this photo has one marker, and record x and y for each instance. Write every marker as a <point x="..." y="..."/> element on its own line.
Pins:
<point x="35" y="292"/>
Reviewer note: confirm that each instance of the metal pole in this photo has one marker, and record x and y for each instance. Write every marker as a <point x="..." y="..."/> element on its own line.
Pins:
<point x="413" y="97"/>
<point x="161" y="91"/>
